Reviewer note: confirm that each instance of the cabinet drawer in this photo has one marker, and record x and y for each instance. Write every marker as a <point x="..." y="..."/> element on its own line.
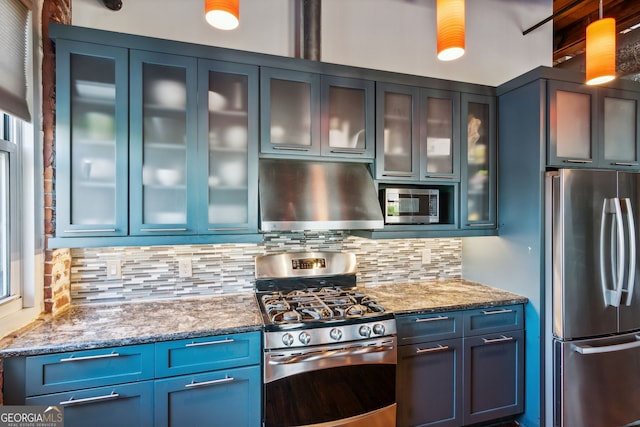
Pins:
<point x="123" y="405"/>
<point x="229" y="397"/>
<point x="88" y="368"/>
<point x="429" y="327"/>
<point x="207" y="354"/>
<point x="493" y="319"/>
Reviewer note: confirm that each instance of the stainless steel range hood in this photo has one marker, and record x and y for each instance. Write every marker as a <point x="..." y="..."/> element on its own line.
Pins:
<point x="313" y="195"/>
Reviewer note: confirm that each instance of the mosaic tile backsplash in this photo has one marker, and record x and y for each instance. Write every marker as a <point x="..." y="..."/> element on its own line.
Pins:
<point x="151" y="272"/>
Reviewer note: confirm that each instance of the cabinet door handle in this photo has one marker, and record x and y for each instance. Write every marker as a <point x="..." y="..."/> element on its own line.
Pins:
<point x="228" y="229"/>
<point x="92" y="230"/>
<point x="432" y="319"/>
<point x="348" y="151"/>
<point x="577" y="161"/>
<point x="97" y="356"/>
<point x="625" y="163"/>
<point x="156" y="230"/>
<point x="73" y="401"/>
<point x="280" y="147"/>
<point x="224" y="380"/>
<point x="440" y="176"/>
<point x="200" y="344"/>
<point x="496" y="340"/>
<point x="400" y="175"/>
<point x="432" y="349"/>
<point x="480" y="224"/>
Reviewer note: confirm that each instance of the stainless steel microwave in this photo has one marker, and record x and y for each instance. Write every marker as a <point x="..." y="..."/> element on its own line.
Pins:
<point x="411" y="205"/>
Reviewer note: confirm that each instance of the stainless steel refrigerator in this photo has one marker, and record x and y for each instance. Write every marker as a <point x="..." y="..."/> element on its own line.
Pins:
<point x="593" y="306"/>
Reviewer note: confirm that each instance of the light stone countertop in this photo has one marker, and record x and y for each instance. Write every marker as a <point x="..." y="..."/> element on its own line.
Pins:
<point x="85" y="327"/>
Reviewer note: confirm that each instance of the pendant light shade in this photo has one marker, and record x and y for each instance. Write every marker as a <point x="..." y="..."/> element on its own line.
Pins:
<point x="450" y="27"/>
<point x="601" y="51"/>
<point x="222" y="14"/>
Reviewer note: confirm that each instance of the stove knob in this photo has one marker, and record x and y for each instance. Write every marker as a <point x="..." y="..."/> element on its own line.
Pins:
<point x="378" y="329"/>
<point x="335" y="334"/>
<point x="304" y="337"/>
<point x="287" y="339"/>
<point x="365" y="331"/>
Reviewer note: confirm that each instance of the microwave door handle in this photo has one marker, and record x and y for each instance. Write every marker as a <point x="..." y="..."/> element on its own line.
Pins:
<point x="631" y="235"/>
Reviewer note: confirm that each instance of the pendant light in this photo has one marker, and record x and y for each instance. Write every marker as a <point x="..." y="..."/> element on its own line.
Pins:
<point x="222" y="14"/>
<point x="601" y="50"/>
<point x="450" y="28"/>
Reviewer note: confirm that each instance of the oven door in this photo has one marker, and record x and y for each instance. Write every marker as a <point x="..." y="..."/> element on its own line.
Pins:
<point x="348" y="384"/>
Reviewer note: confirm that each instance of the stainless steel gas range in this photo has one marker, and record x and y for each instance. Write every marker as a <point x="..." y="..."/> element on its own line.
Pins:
<point x="330" y="351"/>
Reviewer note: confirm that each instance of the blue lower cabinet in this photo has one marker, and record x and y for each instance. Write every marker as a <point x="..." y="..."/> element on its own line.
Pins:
<point x="125" y="405"/>
<point x="222" y="398"/>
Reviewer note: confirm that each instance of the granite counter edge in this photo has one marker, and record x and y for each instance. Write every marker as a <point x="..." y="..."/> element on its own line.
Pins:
<point x="465" y="306"/>
<point x="118" y="342"/>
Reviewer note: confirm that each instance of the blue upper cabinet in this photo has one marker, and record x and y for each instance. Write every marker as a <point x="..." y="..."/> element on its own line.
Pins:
<point x="289" y="112"/>
<point x="163" y="144"/>
<point x="227" y="148"/>
<point x="347" y="117"/>
<point x="91" y="140"/>
<point x="479" y="168"/>
<point x="308" y="114"/>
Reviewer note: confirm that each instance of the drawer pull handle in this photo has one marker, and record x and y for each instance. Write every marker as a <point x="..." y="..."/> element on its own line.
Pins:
<point x="200" y="344"/>
<point x="73" y="401"/>
<point x="432" y="349"/>
<point x="432" y="319"/>
<point x="97" y="356"/>
<point x="498" y="311"/>
<point x="496" y="340"/>
<point x="224" y="380"/>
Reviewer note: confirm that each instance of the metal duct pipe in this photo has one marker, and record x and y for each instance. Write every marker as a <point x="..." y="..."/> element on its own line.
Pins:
<point x="308" y="17"/>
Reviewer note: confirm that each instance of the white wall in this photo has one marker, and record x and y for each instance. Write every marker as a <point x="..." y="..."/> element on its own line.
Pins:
<point x="393" y="35"/>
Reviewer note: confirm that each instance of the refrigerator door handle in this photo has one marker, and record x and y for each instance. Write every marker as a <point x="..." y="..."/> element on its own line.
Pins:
<point x="631" y="227"/>
<point x="612" y="296"/>
<point x="587" y="349"/>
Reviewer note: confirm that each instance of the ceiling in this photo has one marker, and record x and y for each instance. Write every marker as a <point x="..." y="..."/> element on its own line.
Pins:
<point x="569" y="28"/>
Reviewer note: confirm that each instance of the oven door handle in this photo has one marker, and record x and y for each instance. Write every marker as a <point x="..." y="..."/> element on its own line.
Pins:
<point x="341" y="352"/>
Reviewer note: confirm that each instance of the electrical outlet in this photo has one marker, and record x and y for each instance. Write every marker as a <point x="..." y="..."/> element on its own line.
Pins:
<point x="184" y="267"/>
<point x="426" y="256"/>
<point x="114" y="269"/>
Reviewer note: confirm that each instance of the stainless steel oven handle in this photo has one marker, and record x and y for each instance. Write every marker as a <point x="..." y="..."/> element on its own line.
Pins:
<point x="314" y="355"/>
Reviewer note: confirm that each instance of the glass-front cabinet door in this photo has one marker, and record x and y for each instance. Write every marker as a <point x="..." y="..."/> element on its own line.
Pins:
<point x="572" y="138"/>
<point x="228" y="143"/>
<point x="439" y="135"/>
<point x="478" y="183"/>
<point x="289" y="112"/>
<point x="91" y="140"/>
<point x="397" y="132"/>
<point x="163" y="146"/>
<point x="347" y="117"/>
<point x="619" y="130"/>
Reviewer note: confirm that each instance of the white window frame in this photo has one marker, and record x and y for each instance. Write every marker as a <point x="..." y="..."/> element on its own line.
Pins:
<point x="27" y="212"/>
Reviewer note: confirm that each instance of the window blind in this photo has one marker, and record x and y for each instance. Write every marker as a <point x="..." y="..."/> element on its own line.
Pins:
<point x="14" y="42"/>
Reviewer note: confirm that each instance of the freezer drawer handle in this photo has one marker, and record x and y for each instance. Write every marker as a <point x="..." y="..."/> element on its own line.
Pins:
<point x="587" y="349"/>
<point x="496" y="340"/>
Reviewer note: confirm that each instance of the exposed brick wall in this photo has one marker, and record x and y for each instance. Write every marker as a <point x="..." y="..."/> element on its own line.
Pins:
<point x="56" y="279"/>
